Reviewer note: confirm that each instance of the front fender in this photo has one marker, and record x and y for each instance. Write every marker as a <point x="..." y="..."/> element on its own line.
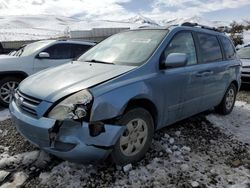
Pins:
<point x="114" y="102"/>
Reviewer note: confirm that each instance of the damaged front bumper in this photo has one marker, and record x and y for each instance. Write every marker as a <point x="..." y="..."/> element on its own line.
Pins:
<point x="73" y="141"/>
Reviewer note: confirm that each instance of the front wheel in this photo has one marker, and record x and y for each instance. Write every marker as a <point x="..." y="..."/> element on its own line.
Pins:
<point x="7" y="89"/>
<point x="137" y="137"/>
<point x="227" y="103"/>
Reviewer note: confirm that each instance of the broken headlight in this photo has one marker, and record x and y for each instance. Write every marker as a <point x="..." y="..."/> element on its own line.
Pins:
<point x="73" y="107"/>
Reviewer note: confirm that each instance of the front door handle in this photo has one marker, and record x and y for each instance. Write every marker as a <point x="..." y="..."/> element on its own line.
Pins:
<point x="204" y="73"/>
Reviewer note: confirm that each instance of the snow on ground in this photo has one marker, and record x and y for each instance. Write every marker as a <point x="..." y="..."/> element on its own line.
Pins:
<point x="237" y="123"/>
<point x="197" y="152"/>
<point x="19" y="179"/>
<point x="246" y="37"/>
<point x="4" y="114"/>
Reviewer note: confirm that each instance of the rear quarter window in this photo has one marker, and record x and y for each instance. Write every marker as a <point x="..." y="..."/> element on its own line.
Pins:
<point x="78" y="50"/>
<point x="209" y="48"/>
<point x="228" y="47"/>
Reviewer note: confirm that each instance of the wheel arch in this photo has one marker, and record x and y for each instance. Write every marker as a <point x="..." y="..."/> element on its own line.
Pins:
<point x="16" y="74"/>
<point x="146" y="104"/>
<point x="236" y="84"/>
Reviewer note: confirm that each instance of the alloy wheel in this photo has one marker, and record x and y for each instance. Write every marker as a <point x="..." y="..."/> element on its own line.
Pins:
<point x="230" y="99"/>
<point x="7" y="90"/>
<point x="134" y="137"/>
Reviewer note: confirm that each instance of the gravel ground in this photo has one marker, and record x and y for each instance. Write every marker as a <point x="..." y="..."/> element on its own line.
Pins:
<point x="191" y="153"/>
<point x="13" y="140"/>
<point x="244" y="94"/>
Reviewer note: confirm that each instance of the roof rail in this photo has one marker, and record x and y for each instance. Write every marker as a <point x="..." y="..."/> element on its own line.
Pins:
<point x="189" y="24"/>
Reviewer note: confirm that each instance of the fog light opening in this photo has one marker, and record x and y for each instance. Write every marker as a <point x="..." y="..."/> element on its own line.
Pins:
<point x="96" y="128"/>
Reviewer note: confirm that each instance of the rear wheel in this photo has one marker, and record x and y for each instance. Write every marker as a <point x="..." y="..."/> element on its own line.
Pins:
<point x="228" y="101"/>
<point x="137" y="137"/>
<point x="7" y="89"/>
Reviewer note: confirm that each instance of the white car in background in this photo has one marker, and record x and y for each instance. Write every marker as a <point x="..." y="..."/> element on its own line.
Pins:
<point x="33" y="58"/>
<point x="244" y="55"/>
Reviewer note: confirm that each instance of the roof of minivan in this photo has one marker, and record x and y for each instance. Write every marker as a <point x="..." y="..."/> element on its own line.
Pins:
<point x="178" y="27"/>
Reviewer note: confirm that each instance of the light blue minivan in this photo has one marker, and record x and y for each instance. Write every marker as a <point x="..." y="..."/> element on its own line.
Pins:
<point x="112" y="100"/>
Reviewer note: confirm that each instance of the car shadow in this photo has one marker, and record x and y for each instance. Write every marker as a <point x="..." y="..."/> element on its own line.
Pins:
<point x="245" y="87"/>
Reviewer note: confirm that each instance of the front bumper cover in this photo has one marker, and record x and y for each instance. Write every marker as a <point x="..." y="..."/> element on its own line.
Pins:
<point x="73" y="141"/>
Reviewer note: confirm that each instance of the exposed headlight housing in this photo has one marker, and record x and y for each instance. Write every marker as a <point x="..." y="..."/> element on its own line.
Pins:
<point x="73" y="107"/>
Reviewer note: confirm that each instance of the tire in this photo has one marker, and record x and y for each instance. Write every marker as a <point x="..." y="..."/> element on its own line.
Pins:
<point x="227" y="104"/>
<point x="7" y="88"/>
<point x="143" y="125"/>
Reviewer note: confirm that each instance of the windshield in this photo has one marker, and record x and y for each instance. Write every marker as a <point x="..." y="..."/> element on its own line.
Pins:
<point x="31" y="48"/>
<point x="244" y="53"/>
<point x="127" y="48"/>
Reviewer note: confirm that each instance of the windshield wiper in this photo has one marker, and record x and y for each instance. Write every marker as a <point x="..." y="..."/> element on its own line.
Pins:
<point x="97" y="61"/>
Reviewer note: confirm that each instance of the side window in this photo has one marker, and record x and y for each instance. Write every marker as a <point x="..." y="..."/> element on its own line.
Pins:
<point x="59" y="51"/>
<point x="228" y="48"/>
<point x="78" y="50"/>
<point x="182" y="43"/>
<point x="210" y="48"/>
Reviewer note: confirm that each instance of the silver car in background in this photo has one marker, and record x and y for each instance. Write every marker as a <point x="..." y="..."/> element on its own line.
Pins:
<point x="244" y="55"/>
<point x="33" y="58"/>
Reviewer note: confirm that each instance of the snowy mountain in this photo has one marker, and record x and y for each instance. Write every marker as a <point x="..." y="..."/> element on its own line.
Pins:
<point x="14" y="28"/>
<point x="139" y="19"/>
<point x="34" y="27"/>
<point x="45" y="19"/>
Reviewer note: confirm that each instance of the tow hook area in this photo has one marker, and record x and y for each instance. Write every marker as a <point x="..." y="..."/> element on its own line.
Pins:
<point x="96" y="128"/>
<point x="53" y="133"/>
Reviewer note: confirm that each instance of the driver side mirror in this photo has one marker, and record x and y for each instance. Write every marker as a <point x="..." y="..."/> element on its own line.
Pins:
<point x="174" y="60"/>
<point x="43" y="55"/>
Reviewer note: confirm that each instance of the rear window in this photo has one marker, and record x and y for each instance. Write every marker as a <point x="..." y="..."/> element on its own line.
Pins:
<point x="228" y="48"/>
<point x="210" y="48"/>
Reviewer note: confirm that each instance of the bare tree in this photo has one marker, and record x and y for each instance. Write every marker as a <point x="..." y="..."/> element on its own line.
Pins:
<point x="236" y="33"/>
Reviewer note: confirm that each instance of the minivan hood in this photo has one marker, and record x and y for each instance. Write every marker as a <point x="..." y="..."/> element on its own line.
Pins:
<point x="6" y="56"/>
<point x="54" y="83"/>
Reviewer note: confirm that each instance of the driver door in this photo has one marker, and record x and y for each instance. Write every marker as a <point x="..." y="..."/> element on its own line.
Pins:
<point x="58" y="55"/>
<point x="182" y="89"/>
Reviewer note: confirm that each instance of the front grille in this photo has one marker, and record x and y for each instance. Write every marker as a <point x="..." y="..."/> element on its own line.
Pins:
<point x="245" y="73"/>
<point x="26" y="103"/>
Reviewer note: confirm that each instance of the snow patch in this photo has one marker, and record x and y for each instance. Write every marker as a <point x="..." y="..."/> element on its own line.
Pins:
<point x="36" y="158"/>
<point x="19" y="179"/>
<point x="4" y="114"/>
<point x="237" y="123"/>
<point x="3" y="175"/>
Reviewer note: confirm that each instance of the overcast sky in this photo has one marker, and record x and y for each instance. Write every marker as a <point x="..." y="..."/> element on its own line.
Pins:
<point x="227" y="10"/>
